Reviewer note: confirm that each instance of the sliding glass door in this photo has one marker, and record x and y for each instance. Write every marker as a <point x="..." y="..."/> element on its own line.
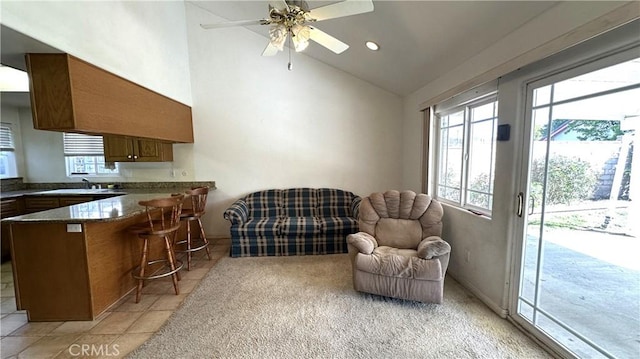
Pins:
<point x="578" y="284"/>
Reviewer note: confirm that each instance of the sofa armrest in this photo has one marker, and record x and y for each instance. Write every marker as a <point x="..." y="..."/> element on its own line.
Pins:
<point x="432" y="247"/>
<point x="238" y="213"/>
<point x="355" y="206"/>
<point x="364" y="242"/>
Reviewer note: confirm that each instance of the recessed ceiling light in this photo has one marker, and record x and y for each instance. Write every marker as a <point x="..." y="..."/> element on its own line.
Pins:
<point x="372" y="46"/>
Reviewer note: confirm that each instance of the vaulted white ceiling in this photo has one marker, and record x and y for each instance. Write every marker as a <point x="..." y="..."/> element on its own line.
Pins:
<point x="419" y="40"/>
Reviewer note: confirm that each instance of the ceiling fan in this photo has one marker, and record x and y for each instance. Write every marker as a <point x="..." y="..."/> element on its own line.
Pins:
<point x="292" y="19"/>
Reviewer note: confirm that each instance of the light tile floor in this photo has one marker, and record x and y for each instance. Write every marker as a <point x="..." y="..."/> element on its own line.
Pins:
<point x="115" y="333"/>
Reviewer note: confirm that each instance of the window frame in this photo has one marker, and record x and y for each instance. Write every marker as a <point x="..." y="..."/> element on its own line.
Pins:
<point x="466" y="108"/>
<point x="8" y="151"/>
<point x="90" y="149"/>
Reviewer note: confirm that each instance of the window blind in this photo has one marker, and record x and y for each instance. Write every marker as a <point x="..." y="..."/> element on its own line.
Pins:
<point x="76" y="144"/>
<point x="6" y="137"/>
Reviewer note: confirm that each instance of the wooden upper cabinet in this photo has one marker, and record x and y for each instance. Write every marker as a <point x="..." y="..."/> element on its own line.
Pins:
<point x="71" y="95"/>
<point x="126" y="149"/>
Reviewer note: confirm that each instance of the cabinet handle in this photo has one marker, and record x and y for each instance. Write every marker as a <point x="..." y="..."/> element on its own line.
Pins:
<point x="135" y="157"/>
<point x="129" y="156"/>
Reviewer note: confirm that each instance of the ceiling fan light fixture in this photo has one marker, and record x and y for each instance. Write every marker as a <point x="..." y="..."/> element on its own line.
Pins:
<point x="278" y="35"/>
<point x="372" y="46"/>
<point x="300" y="36"/>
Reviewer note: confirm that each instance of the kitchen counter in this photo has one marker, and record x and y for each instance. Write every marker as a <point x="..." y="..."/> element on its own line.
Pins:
<point x="69" y="192"/>
<point x="110" y="209"/>
<point x="19" y="189"/>
<point x="86" y="250"/>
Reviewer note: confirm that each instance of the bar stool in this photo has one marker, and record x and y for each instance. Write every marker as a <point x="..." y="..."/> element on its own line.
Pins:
<point x="198" y="198"/>
<point x="163" y="222"/>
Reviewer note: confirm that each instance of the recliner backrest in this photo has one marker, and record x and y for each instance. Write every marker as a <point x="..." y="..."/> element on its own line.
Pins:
<point x="400" y="219"/>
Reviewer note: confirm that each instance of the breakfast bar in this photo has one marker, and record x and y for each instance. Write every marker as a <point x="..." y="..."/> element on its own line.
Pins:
<point x="74" y="262"/>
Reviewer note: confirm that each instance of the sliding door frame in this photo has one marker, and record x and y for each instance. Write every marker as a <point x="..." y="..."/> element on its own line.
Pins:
<point x="589" y="57"/>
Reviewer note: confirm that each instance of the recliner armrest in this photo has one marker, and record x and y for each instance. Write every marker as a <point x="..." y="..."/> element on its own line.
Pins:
<point x="238" y="213"/>
<point x="432" y="247"/>
<point x="364" y="242"/>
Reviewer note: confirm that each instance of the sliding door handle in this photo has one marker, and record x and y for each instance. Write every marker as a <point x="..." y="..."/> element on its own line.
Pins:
<point x="520" y="203"/>
<point x="532" y="204"/>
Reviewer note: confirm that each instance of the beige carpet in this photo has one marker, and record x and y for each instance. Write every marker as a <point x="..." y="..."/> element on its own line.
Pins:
<point x="305" y="307"/>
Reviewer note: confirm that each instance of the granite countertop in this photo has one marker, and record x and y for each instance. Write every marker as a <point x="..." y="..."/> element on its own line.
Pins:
<point x="64" y="192"/>
<point x="12" y="188"/>
<point x="109" y="209"/>
<point x="14" y="194"/>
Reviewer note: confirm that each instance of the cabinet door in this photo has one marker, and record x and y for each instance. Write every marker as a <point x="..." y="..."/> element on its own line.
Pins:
<point x="69" y="201"/>
<point x="118" y="149"/>
<point x="152" y="151"/>
<point x="37" y="204"/>
<point x="10" y="208"/>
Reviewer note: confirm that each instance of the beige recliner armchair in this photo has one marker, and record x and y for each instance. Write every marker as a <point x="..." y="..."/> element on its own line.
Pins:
<point x="398" y="251"/>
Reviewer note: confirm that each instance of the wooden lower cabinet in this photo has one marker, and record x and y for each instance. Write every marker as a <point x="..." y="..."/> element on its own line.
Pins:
<point x="10" y="207"/>
<point x="30" y="204"/>
<point x="43" y="203"/>
<point x="65" y="275"/>
<point x="70" y="201"/>
<point x="40" y="203"/>
<point x="128" y="149"/>
<point x="50" y="272"/>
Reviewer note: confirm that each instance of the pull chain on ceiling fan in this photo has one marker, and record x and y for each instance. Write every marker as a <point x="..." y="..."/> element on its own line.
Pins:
<point x="291" y="20"/>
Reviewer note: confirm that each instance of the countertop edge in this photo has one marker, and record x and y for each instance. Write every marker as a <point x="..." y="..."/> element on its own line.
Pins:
<point x="111" y="209"/>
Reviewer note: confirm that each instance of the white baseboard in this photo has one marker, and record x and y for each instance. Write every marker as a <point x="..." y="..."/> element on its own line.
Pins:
<point x="502" y="312"/>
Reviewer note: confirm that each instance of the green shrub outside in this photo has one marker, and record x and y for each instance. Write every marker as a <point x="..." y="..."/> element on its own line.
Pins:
<point x="570" y="179"/>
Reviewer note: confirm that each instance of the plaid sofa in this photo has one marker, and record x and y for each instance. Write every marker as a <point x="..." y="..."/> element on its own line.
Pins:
<point x="294" y="221"/>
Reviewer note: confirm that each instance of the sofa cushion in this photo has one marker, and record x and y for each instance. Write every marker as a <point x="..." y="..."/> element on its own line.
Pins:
<point x="257" y="228"/>
<point x="401" y="263"/>
<point x="300" y="202"/>
<point x="300" y="227"/>
<point x="339" y="225"/>
<point x="334" y="202"/>
<point x="266" y="203"/>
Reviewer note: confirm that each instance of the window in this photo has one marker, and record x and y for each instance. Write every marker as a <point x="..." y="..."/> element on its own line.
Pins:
<point x="84" y="155"/>
<point x="466" y="153"/>
<point x="8" y="166"/>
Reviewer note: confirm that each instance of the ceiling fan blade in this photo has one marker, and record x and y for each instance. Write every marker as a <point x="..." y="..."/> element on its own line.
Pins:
<point x="270" y="50"/>
<point x="327" y="40"/>
<point x="279" y="4"/>
<point x="235" y="23"/>
<point x="344" y="8"/>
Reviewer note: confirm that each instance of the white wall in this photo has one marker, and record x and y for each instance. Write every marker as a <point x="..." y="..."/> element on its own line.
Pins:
<point x="143" y="41"/>
<point x="258" y="125"/>
<point x="487" y="242"/>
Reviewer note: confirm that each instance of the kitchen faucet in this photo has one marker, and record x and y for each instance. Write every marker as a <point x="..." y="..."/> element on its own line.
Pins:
<point x="88" y="183"/>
